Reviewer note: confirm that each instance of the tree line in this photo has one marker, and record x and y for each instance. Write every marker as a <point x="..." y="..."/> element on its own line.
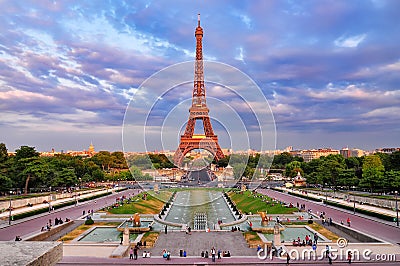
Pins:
<point x="26" y="171"/>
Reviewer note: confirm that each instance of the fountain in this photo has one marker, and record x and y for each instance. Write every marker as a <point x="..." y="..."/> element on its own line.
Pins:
<point x="200" y="221"/>
<point x="136" y="219"/>
<point x="199" y="209"/>
<point x="264" y="218"/>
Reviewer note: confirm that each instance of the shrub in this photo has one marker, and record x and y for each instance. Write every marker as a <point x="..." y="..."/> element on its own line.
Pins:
<point x="89" y="221"/>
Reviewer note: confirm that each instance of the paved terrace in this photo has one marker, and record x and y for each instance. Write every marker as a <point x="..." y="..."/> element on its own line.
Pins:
<point x="344" y="202"/>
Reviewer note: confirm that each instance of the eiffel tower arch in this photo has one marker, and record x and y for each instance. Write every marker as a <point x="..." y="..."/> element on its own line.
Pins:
<point x="198" y="112"/>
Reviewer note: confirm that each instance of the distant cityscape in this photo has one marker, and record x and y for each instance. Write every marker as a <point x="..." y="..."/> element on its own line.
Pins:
<point x="307" y="154"/>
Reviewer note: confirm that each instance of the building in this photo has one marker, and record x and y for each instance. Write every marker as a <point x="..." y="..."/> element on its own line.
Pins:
<point x="345" y="152"/>
<point x="387" y="150"/>
<point x="309" y="155"/>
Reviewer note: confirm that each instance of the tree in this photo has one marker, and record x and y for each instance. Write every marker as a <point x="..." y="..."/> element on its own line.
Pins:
<point x="140" y="161"/>
<point x="372" y="172"/>
<point x="281" y="160"/>
<point x="25" y="152"/>
<point x="292" y="168"/>
<point x="238" y="170"/>
<point x="5" y="182"/>
<point x="125" y="175"/>
<point x="222" y="162"/>
<point x="394" y="160"/>
<point x="391" y="180"/>
<point x="138" y="175"/>
<point x="3" y="153"/>
<point x="347" y="179"/>
<point x="65" y="178"/>
<point x="34" y="168"/>
<point x="118" y="160"/>
<point x="103" y="159"/>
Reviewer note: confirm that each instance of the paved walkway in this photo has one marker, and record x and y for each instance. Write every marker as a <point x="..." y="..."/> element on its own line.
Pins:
<point x="202" y="241"/>
<point x="344" y="202"/>
<point x="5" y="215"/>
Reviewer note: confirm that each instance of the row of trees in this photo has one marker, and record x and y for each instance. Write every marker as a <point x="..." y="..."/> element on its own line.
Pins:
<point x="379" y="172"/>
<point x="27" y="170"/>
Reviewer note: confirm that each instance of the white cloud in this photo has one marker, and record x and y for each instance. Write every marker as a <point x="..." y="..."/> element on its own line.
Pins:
<point x="26" y="96"/>
<point x="383" y="112"/>
<point x="240" y="55"/>
<point x="350" y="42"/>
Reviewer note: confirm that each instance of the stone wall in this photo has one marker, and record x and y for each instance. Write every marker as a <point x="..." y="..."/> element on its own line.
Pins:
<point x="356" y="234"/>
<point x="46" y="234"/>
<point x="30" y="253"/>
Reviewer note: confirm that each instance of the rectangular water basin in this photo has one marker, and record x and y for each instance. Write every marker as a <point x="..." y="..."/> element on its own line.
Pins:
<point x="105" y="234"/>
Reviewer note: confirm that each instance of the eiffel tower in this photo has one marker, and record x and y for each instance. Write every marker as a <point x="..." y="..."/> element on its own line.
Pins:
<point x="198" y="111"/>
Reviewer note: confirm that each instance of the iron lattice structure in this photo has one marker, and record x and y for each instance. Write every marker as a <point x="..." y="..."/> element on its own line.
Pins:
<point x="198" y="111"/>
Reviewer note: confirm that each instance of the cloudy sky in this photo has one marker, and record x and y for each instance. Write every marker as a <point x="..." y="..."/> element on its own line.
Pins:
<point x="330" y="70"/>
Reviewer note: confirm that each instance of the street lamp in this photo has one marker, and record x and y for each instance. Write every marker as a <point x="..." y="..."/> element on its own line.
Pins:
<point x="50" y="200"/>
<point x="9" y="217"/>
<point x="397" y="209"/>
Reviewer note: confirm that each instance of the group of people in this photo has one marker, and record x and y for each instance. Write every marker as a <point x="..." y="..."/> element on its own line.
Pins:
<point x="234" y="229"/>
<point x="166" y="254"/>
<point x="88" y="212"/>
<point x="215" y="254"/>
<point x="133" y="252"/>
<point x="57" y="221"/>
<point x="300" y="206"/>
<point x="324" y="219"/>
<point x="307" y="241"/>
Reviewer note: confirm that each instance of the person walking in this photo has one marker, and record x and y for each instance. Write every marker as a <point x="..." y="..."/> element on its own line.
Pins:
<point x="131" y="254"/>
<point x="213" y="254"/>
<point x="327" y="251"/>
<point x="219" y="253"/>
<point x="348" y="221"/>
<point x="166" y="229"/>
<point x="349" y="255"/>
<point x="287" y="259"/>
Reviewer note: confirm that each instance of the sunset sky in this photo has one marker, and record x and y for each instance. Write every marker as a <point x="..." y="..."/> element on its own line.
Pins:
<point x="330" y="70"/>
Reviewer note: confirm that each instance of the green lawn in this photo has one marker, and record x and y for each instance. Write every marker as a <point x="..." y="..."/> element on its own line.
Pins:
<point x="248" y="203"/>
<point x="152" y="205"/>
